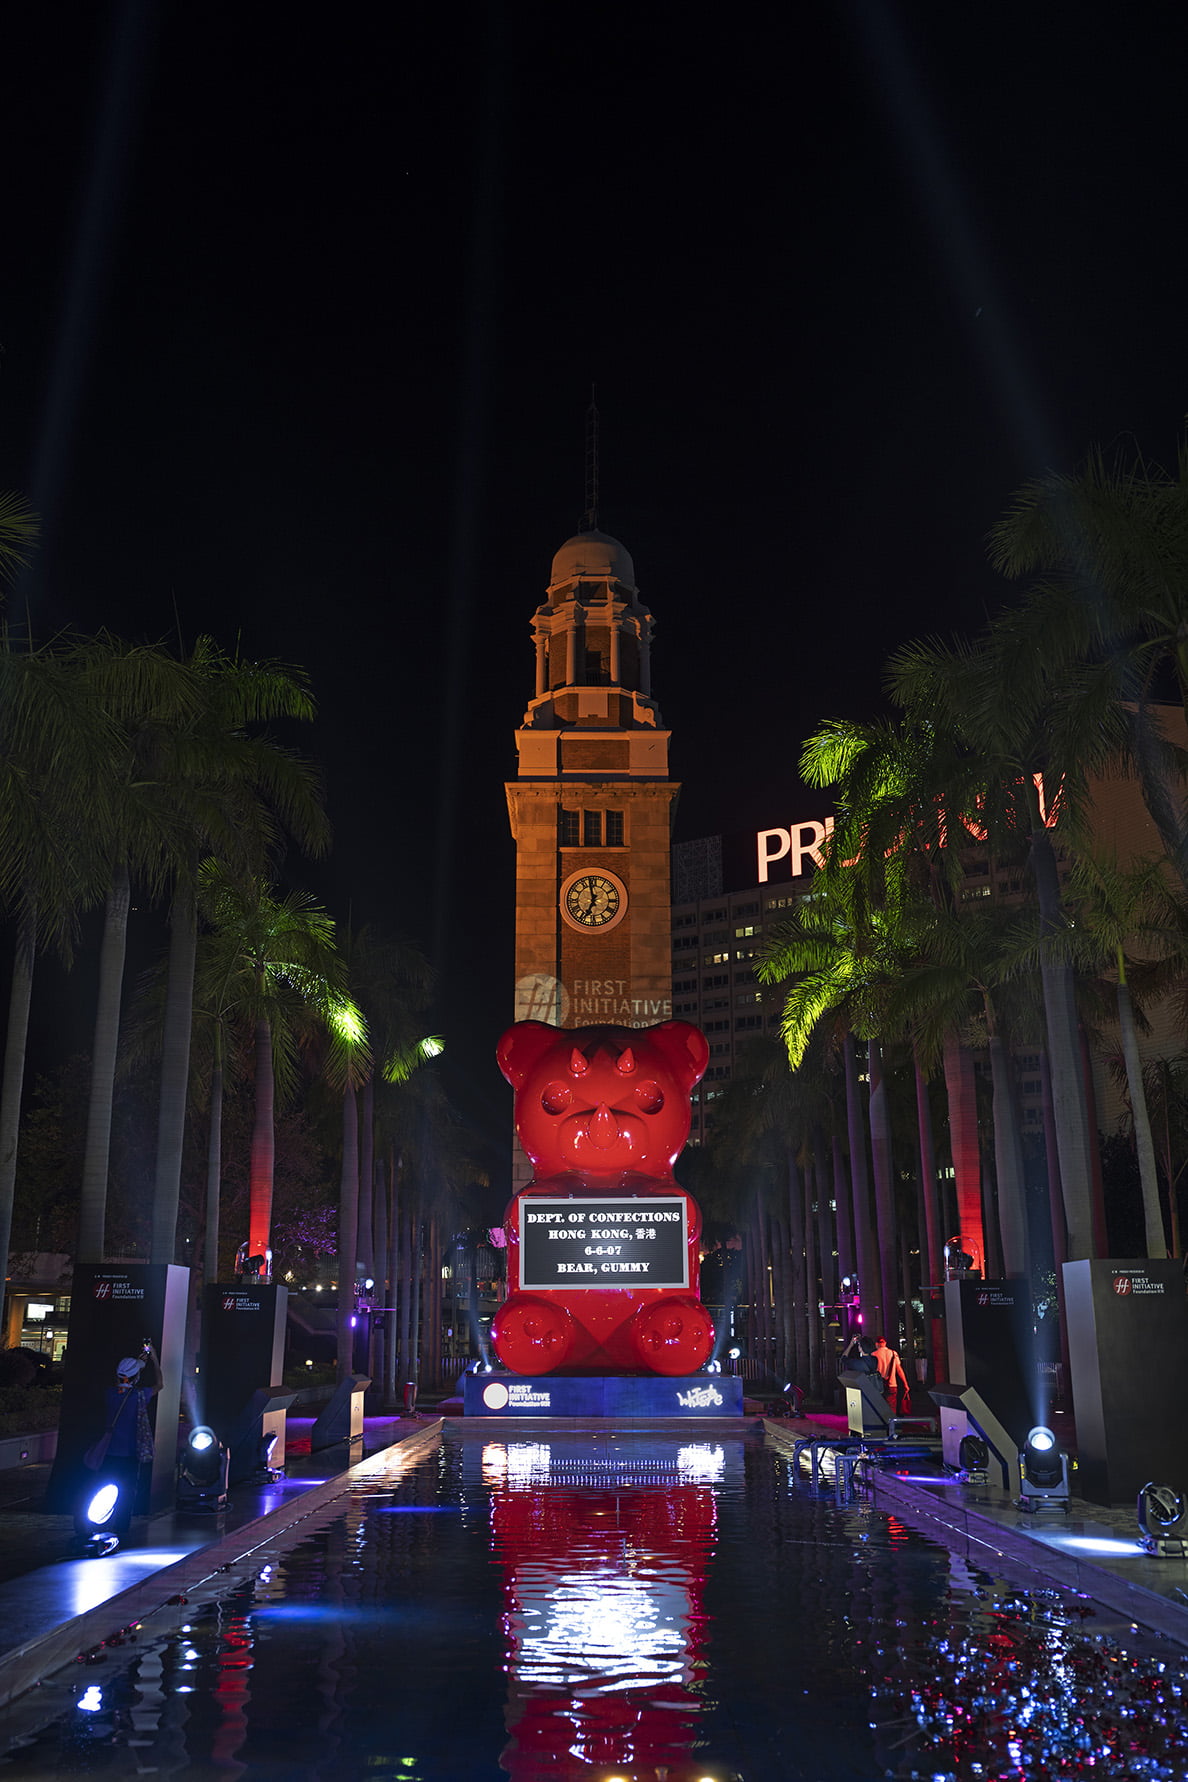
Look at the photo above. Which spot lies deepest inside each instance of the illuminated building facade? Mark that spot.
(730, 891)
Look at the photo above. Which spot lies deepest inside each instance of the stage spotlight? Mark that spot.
(1162, 1516)
(93, 1521)
(1043, 1471)
(973, 1456)
(202, 1472)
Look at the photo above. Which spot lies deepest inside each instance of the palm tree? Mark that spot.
(146, 695)
(1113, 909)
(19, 527)
(54, 747)
(902, 791)
(840, 954)
(1012, 754)
(268, 964)
(1107, 620)
(429, 1187)
(384, 1009)
(235, 793)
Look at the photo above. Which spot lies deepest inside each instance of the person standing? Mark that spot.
(858, 1356)
(895, 1383)
(128, 1432)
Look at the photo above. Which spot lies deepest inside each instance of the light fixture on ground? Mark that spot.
(1043, 1471)
(93, 1521)
(1163, 1519)
(202, 1472)
(973, 1457)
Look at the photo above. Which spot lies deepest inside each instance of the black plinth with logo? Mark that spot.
(990, 1329)
(1128, 1349)
(243, 1348)
(113, 1309)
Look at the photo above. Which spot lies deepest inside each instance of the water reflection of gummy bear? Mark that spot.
(602, 1113)
(604, 1618)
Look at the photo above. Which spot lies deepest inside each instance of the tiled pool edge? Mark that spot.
(982, 1538)
(26, 1665)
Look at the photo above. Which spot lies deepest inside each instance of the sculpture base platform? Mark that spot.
(603, 1395)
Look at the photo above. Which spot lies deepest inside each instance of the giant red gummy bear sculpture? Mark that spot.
(602, 1114)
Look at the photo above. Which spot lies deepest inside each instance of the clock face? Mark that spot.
(593, 900)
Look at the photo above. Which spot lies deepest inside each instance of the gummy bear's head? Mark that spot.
(603, 1099)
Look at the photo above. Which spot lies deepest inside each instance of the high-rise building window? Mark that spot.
(591, 829)
(569, 832)
(614, 829)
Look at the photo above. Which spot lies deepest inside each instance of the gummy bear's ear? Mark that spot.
(684, 1048)
(522, 1045)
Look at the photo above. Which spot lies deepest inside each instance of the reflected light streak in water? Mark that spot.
(604, 1550)
(599, 1630)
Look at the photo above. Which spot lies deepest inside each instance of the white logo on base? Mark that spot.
(495, 1395)
(700, 1396)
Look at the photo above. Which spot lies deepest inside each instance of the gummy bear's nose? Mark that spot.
(604, 1128)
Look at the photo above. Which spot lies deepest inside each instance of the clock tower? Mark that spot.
(592, 806)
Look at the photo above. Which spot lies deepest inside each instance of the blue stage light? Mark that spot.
(101, 1508)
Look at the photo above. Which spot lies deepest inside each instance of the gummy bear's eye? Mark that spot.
(556, 1098)
(650, 1097)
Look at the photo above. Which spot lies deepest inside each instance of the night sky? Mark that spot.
(300, 311)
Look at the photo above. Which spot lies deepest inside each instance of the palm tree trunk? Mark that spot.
(1169, 1169)
(395, 1299)
(864, 1244)
(1008, 1158)
(19, 998)
(214, 1162)
(379, 1268)
(810, 1322)
(884, 1177)
(175, 1074)
(1144, 1144)
(263, 1158)
(1069, 1114)
(825, 1220)
(348, 1231)
(366, 1250)
(1101, 1236)
(96, 1160)
(847, 1260)
(1056, 1199)
(416, 1259)
(961, 1088)
(932, 1257)
(797, 1273)
(993, 1266)
(910, 1342)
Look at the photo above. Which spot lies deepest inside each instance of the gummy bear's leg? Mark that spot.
(673, 1336)
(532, 1336)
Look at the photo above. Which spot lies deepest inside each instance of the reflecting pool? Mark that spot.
(551, 1607)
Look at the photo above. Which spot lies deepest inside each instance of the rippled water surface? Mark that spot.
(670, 1607)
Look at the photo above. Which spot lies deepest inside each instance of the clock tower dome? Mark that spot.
(592, 806)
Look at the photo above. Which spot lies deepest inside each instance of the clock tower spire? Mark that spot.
(592, 807)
